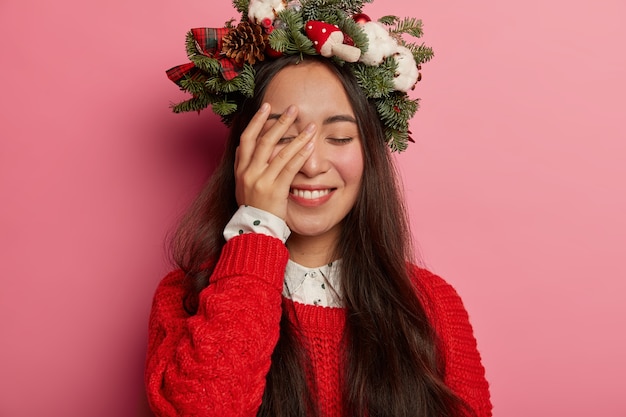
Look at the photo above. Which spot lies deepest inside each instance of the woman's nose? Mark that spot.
(317, 163)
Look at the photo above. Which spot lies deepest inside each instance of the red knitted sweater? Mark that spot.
(215, 362)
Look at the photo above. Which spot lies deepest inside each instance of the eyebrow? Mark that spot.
(329, 120)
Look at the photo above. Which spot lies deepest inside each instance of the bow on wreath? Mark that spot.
(209, 43)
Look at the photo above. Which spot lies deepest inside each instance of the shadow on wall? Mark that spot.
(143, 409)
(194, 142)
(183, 151)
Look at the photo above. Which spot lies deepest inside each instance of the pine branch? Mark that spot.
(396, 140)
(376, 82)
(303, 45)
(224, 108)
(388, 20)
(421, 53)
(410, 26)
(293, 20)
(193, 104)
(354, 30)
(217, 85)
(396, 110)
(242, 83)
(333, 16)
(321, 9)
(209, 65)
(241, 6)
(245, 80)
(193, 86)
(191, 46)
(291, 40)
(279, 40)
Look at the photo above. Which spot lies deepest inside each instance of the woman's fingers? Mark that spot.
(290, 159)
(256, 149)
(263, 173)
(267, 142)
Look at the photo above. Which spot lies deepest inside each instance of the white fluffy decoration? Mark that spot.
(407, 72)
(264, 9)
(381, 44)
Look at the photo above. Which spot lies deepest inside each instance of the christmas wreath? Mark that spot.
(221, 70)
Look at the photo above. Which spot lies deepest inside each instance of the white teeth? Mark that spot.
(308, 194)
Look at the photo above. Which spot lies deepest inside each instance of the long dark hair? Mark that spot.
(393, 367)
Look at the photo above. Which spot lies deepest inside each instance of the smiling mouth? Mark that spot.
(309, 194)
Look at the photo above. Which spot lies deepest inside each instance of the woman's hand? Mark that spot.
(262, 181)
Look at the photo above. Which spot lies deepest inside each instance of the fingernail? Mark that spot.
(310, 128)
(291, 110)
(264, 107)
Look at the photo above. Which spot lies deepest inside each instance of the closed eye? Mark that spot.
(340, 141)
(285, 140)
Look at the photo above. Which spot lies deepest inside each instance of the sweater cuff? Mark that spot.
(252, 254)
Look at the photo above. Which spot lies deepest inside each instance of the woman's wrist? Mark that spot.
(248, 219)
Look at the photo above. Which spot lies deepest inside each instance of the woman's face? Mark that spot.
(326, 187)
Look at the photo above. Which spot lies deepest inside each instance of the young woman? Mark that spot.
(232, 335)
(295, 294)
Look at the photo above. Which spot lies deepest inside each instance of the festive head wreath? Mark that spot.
(222, 68)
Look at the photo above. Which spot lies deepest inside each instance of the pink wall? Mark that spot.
(516, 187)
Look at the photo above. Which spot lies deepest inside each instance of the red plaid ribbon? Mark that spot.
(209, 42)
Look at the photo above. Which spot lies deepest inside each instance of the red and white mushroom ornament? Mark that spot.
(328, 41)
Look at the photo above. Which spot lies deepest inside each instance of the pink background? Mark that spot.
(516, 188)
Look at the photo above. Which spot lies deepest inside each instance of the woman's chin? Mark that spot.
(304, 230)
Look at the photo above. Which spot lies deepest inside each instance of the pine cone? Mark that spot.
(245, 43)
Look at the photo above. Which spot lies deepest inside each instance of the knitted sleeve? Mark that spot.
(215, 362)
(464, 372)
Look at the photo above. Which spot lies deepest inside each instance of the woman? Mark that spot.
(294, 296)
